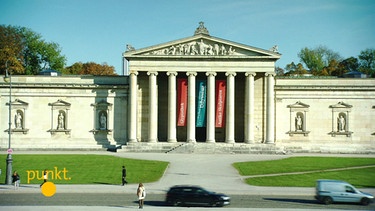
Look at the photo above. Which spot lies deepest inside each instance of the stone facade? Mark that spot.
(81, 112)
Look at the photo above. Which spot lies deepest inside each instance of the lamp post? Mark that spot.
(9, 160)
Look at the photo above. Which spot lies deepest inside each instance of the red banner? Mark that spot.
(182, 93)
(220, 103)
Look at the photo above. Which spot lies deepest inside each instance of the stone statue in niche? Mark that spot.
(299, 122)
(61, 121)
(18, 120)
(103, 121)
(341, 123)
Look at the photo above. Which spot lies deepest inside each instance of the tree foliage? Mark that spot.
(90, 68)
(367, 62)
(322, 61)
(295, 69)
(27, 52)
(318, 58)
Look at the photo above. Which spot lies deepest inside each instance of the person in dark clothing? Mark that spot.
(16, 179)
(124, 176)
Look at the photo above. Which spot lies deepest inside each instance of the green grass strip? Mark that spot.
(361, 178)
(83, 169)
(299, 164)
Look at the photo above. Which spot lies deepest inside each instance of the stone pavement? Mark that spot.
(211, 171)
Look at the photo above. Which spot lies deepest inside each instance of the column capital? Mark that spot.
(270, 74)
(172, 73)
(154, 73)
(191, 73)
(252, 74)
(211, 73)
(133, 73)
(230, 74)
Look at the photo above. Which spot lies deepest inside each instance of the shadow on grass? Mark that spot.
(103, 183)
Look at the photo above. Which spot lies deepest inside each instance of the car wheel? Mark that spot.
(327, 200)
(365, 201)
(177, 202)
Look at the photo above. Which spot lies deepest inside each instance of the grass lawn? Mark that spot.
(83, 169)
(363, 177)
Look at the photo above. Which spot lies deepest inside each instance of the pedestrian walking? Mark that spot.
(141, 193)
(45, 177)
(124, 176)
(16, 179)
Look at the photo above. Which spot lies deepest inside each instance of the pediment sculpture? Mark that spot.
(196, 47)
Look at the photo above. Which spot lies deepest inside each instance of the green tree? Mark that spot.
(34, 54)
(90, 68)
(367, 62)
(318, 58)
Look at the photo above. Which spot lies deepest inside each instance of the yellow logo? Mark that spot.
(54, 174)
(48, 189)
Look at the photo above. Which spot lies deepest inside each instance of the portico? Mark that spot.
(201, 89)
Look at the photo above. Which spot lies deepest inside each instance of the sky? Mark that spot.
(98, 30)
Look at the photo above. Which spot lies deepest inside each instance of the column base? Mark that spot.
(269, 142)
(153, 140)
(132, 140)
(210, 141)
(191, 141)
(249, 141)
(230, 141)
(172, 140)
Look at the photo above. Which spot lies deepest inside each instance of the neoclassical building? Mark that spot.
(198, 94)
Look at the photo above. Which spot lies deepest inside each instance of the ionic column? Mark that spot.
(172, 113)
(249, 107)
(153, 107)
(133, 107)
(191, 107)
(210, 127)
(229, 134)
(270, 133)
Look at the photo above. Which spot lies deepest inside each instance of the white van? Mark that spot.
(328, 191)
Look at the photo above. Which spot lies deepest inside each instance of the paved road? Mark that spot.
(158, 201)
(212, 171)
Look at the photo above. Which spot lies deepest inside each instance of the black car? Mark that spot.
(194, 195)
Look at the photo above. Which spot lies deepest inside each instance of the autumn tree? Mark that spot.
(10, 50)
(90, 68)
(295, 69)
(29, 53)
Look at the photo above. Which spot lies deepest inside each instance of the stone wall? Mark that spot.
(40, 99)
(323, 101)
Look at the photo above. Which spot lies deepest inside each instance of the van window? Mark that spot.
(349, 189)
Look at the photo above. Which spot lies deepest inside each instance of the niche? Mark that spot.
(298, 119)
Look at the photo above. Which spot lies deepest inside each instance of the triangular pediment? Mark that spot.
(341, 105)
(59, 103)
(298, 104)
(18, 102)
(201, 46)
